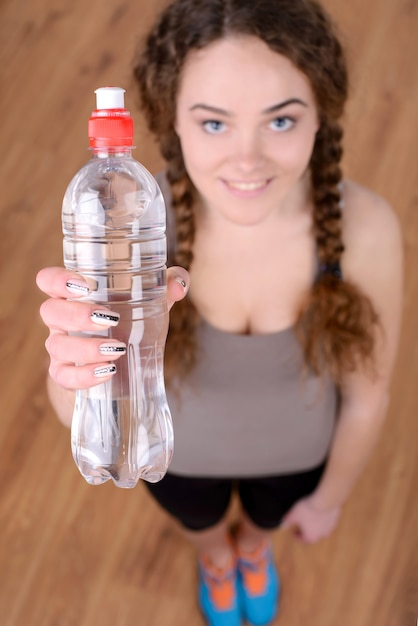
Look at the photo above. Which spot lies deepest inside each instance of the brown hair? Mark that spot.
(337, 323)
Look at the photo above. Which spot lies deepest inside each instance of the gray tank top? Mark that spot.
(249, 408)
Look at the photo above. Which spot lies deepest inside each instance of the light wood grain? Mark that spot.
(74, 555)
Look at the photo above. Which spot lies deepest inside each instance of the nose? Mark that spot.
(248, 151)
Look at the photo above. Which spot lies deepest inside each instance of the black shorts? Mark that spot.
(199, 503)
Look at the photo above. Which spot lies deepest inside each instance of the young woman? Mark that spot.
(279, 355)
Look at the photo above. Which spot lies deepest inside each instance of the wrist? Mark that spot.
(322, 503)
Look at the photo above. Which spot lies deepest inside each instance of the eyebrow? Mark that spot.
(269, 110)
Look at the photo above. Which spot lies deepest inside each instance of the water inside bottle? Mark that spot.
(114, 235)
(122, 428)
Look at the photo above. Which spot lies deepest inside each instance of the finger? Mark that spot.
(81, 377)
(292, 528)
(58, 282)
(295, 530)
(67, 349)
(178, 282)
(287, 522)
(71, 316)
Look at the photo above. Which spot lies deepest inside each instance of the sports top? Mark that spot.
(250, 407)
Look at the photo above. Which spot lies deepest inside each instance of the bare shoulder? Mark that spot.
(371, 235)
(373, 261)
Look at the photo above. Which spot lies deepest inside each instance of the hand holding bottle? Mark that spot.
(62, 314)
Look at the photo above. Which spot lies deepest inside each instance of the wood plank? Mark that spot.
(75, 555)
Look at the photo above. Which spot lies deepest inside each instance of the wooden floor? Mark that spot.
(74, 555)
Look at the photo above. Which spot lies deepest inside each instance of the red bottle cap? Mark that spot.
(110, 125)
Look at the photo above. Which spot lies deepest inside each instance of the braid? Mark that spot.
(326, 177)
(184, 317)
(337, 324)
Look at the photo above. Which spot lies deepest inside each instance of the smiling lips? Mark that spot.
(247, 186)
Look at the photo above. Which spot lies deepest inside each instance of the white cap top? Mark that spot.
(110, 98)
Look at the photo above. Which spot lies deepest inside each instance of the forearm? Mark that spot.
(355, 437)
(62, 401)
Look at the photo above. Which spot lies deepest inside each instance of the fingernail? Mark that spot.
(78, 287)
(181, 282)
(105, 370)
(113, 348)
(105, 318)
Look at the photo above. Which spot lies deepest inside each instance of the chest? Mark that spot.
(253, 284)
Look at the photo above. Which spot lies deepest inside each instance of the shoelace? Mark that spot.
(253, 569)
(220, 583)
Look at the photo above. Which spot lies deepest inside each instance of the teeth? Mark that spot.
(247, 186)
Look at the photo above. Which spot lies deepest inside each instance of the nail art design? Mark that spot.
(105, 318)
(105, 370)
(77, 288)
(181, 282)
(112, 348)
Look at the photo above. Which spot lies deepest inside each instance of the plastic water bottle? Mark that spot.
(114, 235)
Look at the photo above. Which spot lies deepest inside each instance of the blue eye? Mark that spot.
(282, 123)
(213, 126)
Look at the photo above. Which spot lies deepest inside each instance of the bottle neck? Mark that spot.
(105, 152)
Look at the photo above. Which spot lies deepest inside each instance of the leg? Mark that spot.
(218, 593)
(213, 543)
(250, 536)
(200, 505)
(265, 501)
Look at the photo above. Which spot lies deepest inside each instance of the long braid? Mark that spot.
(184, 317)
(337, 324)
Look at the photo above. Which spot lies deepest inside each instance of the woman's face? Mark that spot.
(246, 118)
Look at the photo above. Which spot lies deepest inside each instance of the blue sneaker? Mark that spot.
(218, 596)
(258, 586)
